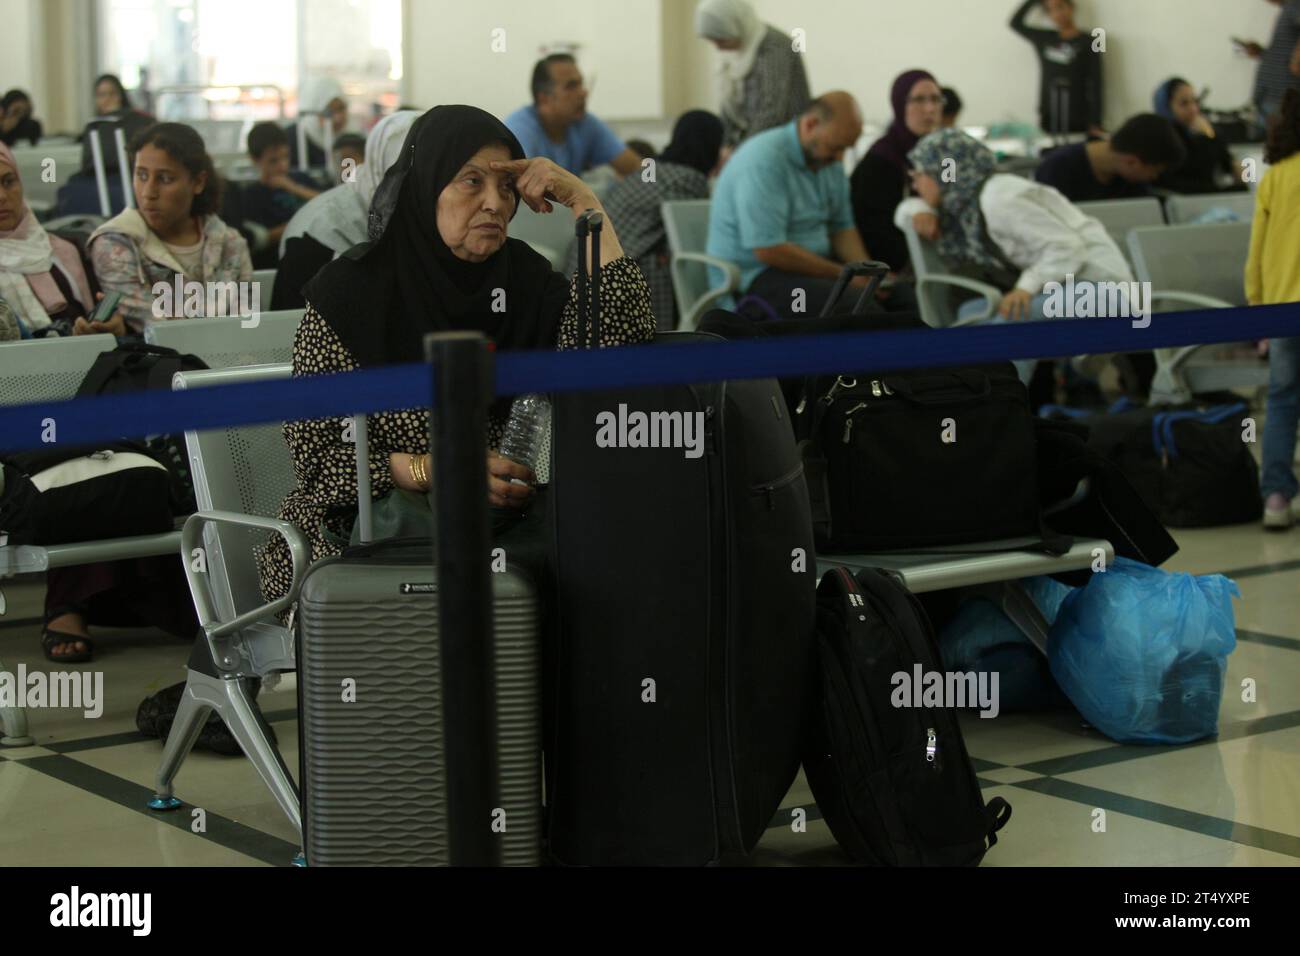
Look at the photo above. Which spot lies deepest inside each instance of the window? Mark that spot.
(238, 59)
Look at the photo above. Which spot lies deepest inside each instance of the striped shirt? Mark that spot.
(1275, 77)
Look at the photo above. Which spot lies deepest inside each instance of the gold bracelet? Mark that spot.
(419, 472)
(410, 470)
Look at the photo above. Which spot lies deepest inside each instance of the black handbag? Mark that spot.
(930, 458)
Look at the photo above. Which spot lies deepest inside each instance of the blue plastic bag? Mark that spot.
(981, 638)
(1142, 652)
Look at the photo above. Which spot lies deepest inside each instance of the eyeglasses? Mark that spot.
(925, 100)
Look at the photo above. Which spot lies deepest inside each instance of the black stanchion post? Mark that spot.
(462, 391)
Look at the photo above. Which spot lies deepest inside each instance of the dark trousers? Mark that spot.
(783, 291)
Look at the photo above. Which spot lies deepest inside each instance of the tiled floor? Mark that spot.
(78, 796)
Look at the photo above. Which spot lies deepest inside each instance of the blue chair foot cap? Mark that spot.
(164, 803)
(300, 859)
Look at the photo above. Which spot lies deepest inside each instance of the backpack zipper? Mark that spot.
(931, 746)
(848, 419)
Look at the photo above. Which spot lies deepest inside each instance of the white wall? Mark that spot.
(861, 45)
(20, 50)
(450, 58)
(647, 62)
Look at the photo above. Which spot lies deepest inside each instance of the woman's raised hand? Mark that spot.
(540, 183)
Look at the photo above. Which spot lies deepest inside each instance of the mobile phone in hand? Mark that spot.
(107, 306)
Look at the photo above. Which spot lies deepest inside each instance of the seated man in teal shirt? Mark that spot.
(781, 210)
(558, 126)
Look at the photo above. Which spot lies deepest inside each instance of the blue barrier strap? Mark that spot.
(89, 420)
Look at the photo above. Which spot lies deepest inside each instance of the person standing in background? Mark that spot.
(1273, 276)
(1070, 99)
(761, 77)
(1279, 62)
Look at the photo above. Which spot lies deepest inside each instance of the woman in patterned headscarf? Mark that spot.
(1014, 233)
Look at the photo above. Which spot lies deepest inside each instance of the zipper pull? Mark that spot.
(931, 745)
(876, 390)
(803, 403)
(848, 420)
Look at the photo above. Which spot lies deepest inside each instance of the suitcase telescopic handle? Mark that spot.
(589, 223)
(876, 270)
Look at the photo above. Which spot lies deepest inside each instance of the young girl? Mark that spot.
(173, 231)
(1272, 276)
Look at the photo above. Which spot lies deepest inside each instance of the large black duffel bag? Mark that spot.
(927, 458)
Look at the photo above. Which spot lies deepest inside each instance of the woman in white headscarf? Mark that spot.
(321, 97)
(336, 220)
(761, 78)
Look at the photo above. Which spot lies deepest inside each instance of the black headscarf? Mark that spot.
(697, 138)
(383, 296)
(121, 90)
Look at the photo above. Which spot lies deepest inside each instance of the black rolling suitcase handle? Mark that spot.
(589, 223)
(877, 271)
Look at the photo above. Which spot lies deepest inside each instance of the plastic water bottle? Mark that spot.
(522, 441)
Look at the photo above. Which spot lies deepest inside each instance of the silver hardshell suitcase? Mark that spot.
(372, 775)
(373, 784)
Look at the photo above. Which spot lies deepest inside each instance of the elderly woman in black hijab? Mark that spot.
(681, 171)
(439, 259)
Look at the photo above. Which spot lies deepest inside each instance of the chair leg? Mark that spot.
(186, 726)
(242, 716)
(233, 702)
(14, 721)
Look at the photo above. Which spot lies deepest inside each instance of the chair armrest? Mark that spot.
(729, 269)
(1175, 360)
(992, 294)
(1194, 299)
(200, 590)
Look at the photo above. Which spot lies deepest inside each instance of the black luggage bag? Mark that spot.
(893, 781)
(926, 458)
(1189, 463)
(682, 660)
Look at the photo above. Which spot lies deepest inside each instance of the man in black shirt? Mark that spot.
(1070, 99)
(1118, 168)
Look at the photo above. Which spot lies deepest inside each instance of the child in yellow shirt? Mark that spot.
(1273, 276)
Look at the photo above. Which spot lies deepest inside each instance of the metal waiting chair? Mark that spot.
(686, 223)
(242, 474)
(1119, 217)
(51, 370)
(1195, 267)
(231, 340)
(1185, 210)
(935, 286)
(551, 234)
(265, 279)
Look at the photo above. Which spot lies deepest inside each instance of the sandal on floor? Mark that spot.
(49, 639)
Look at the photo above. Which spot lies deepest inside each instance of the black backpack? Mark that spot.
(894, 784)
(134, 366)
